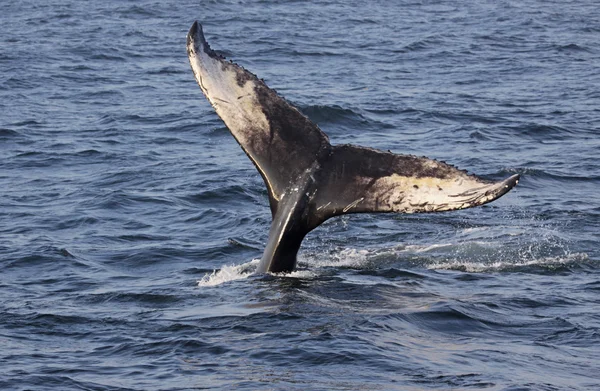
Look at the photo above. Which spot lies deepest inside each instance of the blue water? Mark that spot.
(131, 221)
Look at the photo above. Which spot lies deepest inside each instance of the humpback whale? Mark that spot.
(310, 180)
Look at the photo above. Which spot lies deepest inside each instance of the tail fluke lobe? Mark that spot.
(360, 180)
(280, 141)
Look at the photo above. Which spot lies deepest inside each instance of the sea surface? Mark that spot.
(131, 222)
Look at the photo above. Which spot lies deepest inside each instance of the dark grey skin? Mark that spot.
(308, 179)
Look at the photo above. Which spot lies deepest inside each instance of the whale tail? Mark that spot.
(308, 179)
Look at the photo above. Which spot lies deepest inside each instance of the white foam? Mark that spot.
(480, 267)
(414, 248)
(348, 257)
(300, 274)
(229, 273)
(239, 272)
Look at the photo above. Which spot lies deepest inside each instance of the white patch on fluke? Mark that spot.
(428, 194)
(236, 105)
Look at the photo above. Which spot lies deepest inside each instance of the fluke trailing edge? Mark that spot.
(308, 179)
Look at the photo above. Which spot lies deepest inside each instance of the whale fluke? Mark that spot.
(308, 179)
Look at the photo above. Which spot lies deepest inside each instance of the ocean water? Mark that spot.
(131, 221)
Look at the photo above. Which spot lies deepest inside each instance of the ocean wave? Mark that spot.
(7, 134)
(236, 194)
(333, 114)
(50, 256)
(422, 44)
(151, 299)
(545, 132)
(572, 47)
(537, 173)
(168, 70)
